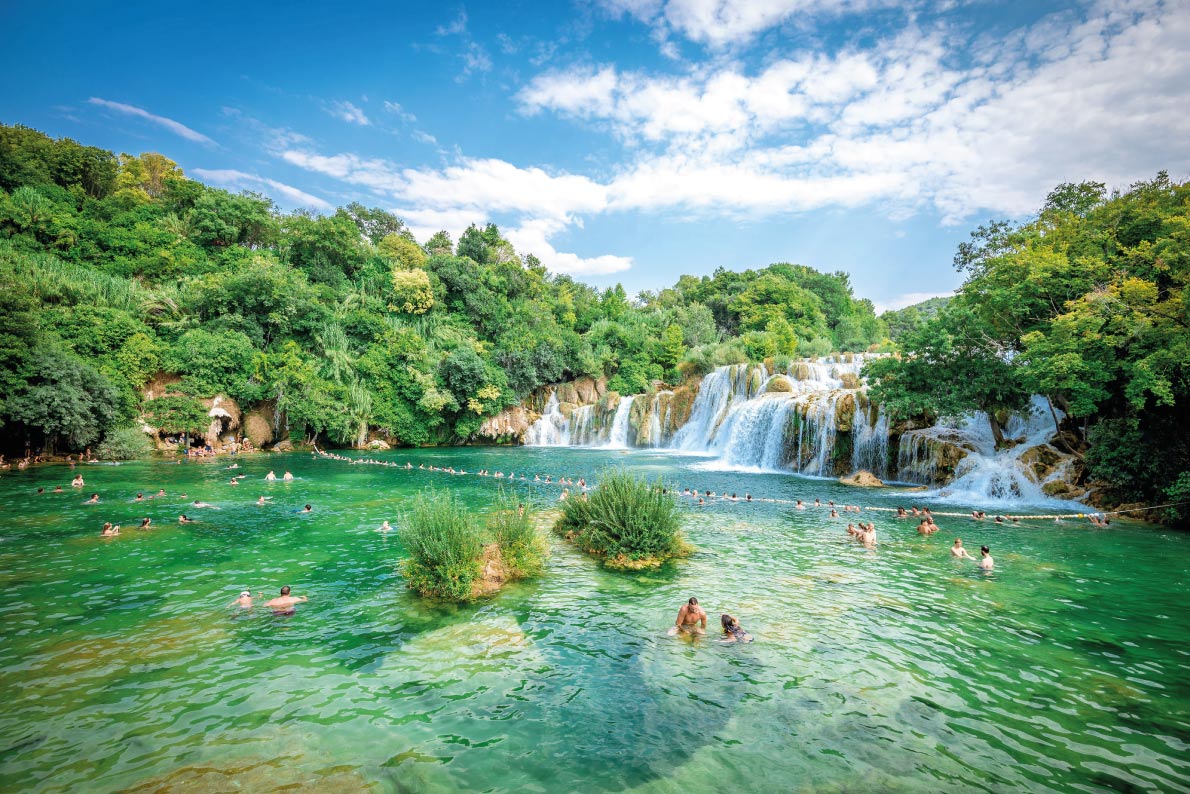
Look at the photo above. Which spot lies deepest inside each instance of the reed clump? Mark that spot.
(445, 545)
(523, 550)
(627, 522)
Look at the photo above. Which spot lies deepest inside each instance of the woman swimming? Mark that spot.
(732, 631)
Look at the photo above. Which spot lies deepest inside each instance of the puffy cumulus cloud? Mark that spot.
(720, 23)
(229, 177)
(924, 116)
(176, 127)
(533, 236)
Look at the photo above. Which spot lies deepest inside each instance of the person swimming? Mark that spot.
(285, 604)
(287, 476)
(110, 530)
(385, 527)
(985, 558)
(245, 600)
(94, 500)
(271, 476)
(732, 631)
(958, 552)
(185, 519)
(198, 504)
(145, 523)
(306, 509)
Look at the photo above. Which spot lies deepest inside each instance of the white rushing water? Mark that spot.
(617, 437)
(985, 473)
(552, 429)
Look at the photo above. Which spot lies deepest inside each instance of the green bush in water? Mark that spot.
(444, 545)
(627, 522)
(127, 443)
(522, 550)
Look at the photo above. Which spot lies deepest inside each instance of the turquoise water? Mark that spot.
(895, 669)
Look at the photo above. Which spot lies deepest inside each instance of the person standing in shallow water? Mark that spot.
(985, 558)
(691, 619)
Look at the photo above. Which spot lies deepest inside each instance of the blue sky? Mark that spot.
(634, 140)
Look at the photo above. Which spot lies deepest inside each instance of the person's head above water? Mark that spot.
(984, 550)
(693, 601)
(285, 590)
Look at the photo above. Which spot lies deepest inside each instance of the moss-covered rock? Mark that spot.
(845, 413)
(779, 383)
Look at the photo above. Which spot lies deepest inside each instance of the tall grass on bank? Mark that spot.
(626, 522)
(444, 544)
(522, 550)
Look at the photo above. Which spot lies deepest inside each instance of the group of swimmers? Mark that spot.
(282, 606)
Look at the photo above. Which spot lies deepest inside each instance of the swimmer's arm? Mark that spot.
(681, 614)
(704, 621)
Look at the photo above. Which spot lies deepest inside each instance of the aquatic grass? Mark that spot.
(627, 522)
(444, 544)
(523, 550)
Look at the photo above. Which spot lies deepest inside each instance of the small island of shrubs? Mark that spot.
(626, 522)
(454, 558)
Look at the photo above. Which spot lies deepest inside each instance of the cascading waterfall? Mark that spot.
(617, 437)
(552, 429)
(869, 442)
(748, 418)
(657, 422)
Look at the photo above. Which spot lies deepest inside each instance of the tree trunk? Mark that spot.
(997, 431)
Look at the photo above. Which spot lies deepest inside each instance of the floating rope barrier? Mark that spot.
(748, 499)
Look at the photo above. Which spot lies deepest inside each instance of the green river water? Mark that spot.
(122, 666)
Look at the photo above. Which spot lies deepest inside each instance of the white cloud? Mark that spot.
(473, 190)
(923, 116)
(399, 111)
(229, 177)
(346, 111)
(720, 23)
(175, 127)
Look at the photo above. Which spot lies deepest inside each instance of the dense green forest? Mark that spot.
(1085, 305)
(117, 268)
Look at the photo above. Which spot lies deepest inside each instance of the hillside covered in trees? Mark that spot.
(117, 270)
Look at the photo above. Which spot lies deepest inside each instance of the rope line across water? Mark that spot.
(766, 500)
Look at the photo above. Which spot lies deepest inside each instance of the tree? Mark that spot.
(402, 252)
(146, 176)
(64, 399)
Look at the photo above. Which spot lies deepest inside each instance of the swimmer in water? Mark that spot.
(306, 509)
(58, 489)
(110, 530)
(800, 505)
(385, 527)
(94, 500)
(270, 476)
(958, 552)
(985, 558)
(262, 500)
(732, 631)
(184, 519)
(198, 504)
(245, 600)
(691, 619)
(158, 495)
(287, 476)
(140, 497)
(144, 523)
(77, 482)
(284, 604)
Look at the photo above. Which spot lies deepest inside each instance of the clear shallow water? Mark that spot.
(121, 667)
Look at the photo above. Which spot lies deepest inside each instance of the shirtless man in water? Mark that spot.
(691, 619)
(284, 604)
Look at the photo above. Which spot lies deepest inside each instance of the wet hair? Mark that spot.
(985, 549)
(728, 622)
(285, 590)
(693, 601)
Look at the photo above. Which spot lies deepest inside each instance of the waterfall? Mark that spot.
(658, 423)
(719, 392)
(617, 438)
(816, 434)
(580, 426)
(869, 443)
(985, 473)
(754, 435)
(552, 429)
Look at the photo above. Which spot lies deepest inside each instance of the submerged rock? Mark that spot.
(863, 479)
